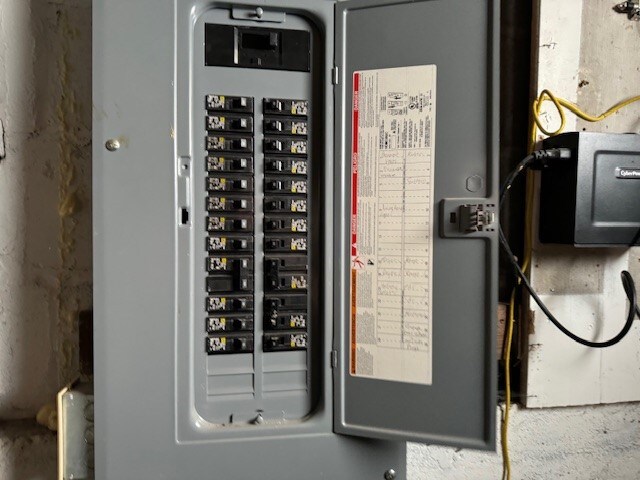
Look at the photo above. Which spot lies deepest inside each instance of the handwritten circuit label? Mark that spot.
(392, 176)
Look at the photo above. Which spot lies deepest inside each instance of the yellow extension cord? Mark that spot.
(536, 124)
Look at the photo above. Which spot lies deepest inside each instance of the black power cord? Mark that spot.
(539, 159)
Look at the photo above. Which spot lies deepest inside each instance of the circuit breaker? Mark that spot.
(283, 288)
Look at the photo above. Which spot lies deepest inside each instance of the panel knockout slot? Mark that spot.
(476, 218)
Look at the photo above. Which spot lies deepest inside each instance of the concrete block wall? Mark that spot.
(45, 213)
(27, 452)
(575, 443)
(45, 272)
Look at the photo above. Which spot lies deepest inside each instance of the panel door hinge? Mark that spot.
(334, 358)
(335, 75)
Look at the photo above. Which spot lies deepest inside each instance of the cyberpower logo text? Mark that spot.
(624, 172)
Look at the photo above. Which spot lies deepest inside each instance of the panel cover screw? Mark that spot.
(390, 474)
(259, 12)
(112, 145)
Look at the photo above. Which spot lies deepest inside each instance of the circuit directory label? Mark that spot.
(393, 143)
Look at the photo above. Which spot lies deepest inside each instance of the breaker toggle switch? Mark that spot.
(229, 283)
(286, 107)
(215, 224)
(273, 126)
(273, 145)
(222, 184)
(229, 274)
(227, 243)
(286, 264)
(274, 342)
(285, 186)
(285, 145)
(228, 303)
(241, 102)
(285, 127)
(226, 264)
(275, 306)
(233, 144)
(275, 106)
(296, 281)
(217, 203)
(285, 204)
(229, 123)
(228, 163)
(218, 103)
(229, 344)
(228, 324)
(286, 165)
(287, 224)
(286, 321)
(286, 244)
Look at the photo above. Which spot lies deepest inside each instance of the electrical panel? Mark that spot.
(276, 271)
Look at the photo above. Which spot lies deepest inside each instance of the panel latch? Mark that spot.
(476, 217)
(468, 217)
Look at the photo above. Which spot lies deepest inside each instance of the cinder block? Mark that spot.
(45, 197)
(28, 367)
(27, 452)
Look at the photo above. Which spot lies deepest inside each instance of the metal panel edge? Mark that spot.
(342, 169)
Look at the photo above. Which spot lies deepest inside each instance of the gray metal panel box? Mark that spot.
(458, 408)
(168, 407)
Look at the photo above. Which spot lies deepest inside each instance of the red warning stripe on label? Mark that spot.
(354, 165)
(354, 214)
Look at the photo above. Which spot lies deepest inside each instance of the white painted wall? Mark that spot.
(45, 212)
(45, 106)
(587, 54)
(45, 198)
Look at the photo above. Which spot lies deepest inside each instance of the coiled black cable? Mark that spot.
(539, 158)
